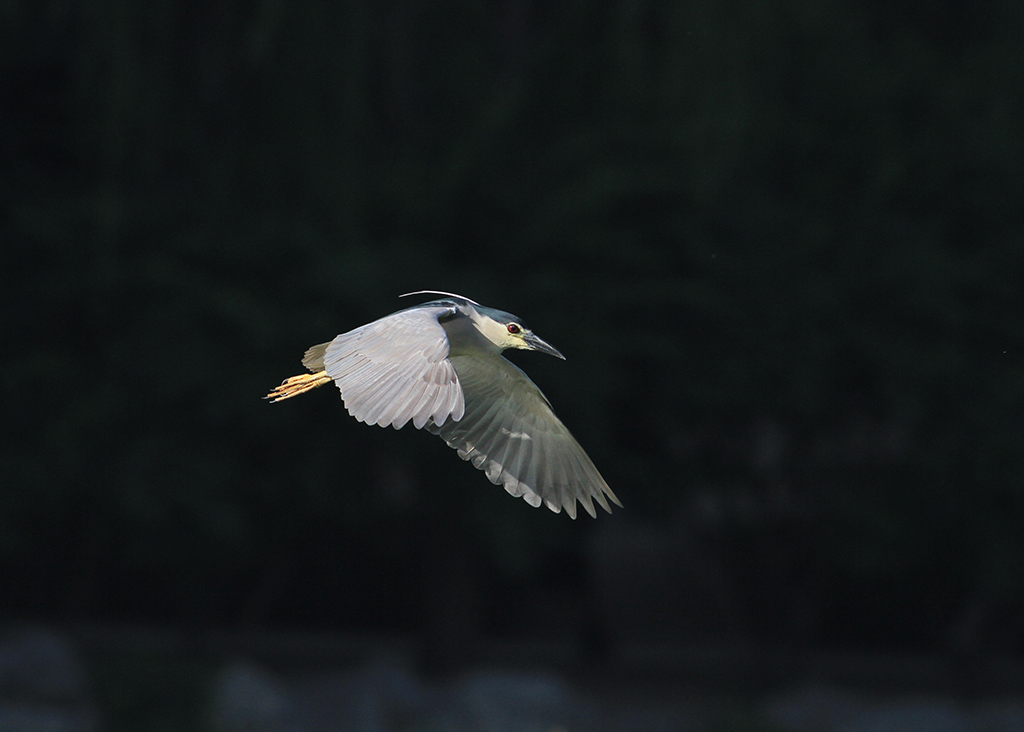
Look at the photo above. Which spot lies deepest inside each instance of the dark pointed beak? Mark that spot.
(537, 343)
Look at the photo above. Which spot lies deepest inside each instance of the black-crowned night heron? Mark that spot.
(439, 365)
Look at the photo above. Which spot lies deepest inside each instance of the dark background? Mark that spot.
(779, 243)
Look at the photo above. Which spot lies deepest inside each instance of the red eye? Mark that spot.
(513, 328)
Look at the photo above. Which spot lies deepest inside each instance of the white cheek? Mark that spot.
(497, 334)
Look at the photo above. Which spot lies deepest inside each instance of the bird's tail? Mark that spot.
(298, 385)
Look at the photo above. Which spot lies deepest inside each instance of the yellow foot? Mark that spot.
(298, 385)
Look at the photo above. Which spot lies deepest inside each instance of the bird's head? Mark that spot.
(505, 330)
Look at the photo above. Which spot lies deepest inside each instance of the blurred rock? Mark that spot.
(913, 715)
(1000, 716)
(816, 708)
(387, 696)
(812, 708)
(248, 699)
(42, 684)
(38, 664)
(511, 702)
(384, 695)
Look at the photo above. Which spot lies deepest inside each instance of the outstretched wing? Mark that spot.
(395, 369)
(510, 432)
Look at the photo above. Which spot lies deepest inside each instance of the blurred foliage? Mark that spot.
(779, 242)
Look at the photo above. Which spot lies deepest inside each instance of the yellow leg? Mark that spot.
(298, 385)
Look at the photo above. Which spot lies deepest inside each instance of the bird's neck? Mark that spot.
(467, 335)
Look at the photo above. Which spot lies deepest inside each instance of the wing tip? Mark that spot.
(606, 491)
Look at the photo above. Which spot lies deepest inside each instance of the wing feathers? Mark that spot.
(395, 369)
(509, 431)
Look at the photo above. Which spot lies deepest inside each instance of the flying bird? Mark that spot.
(439, 366)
